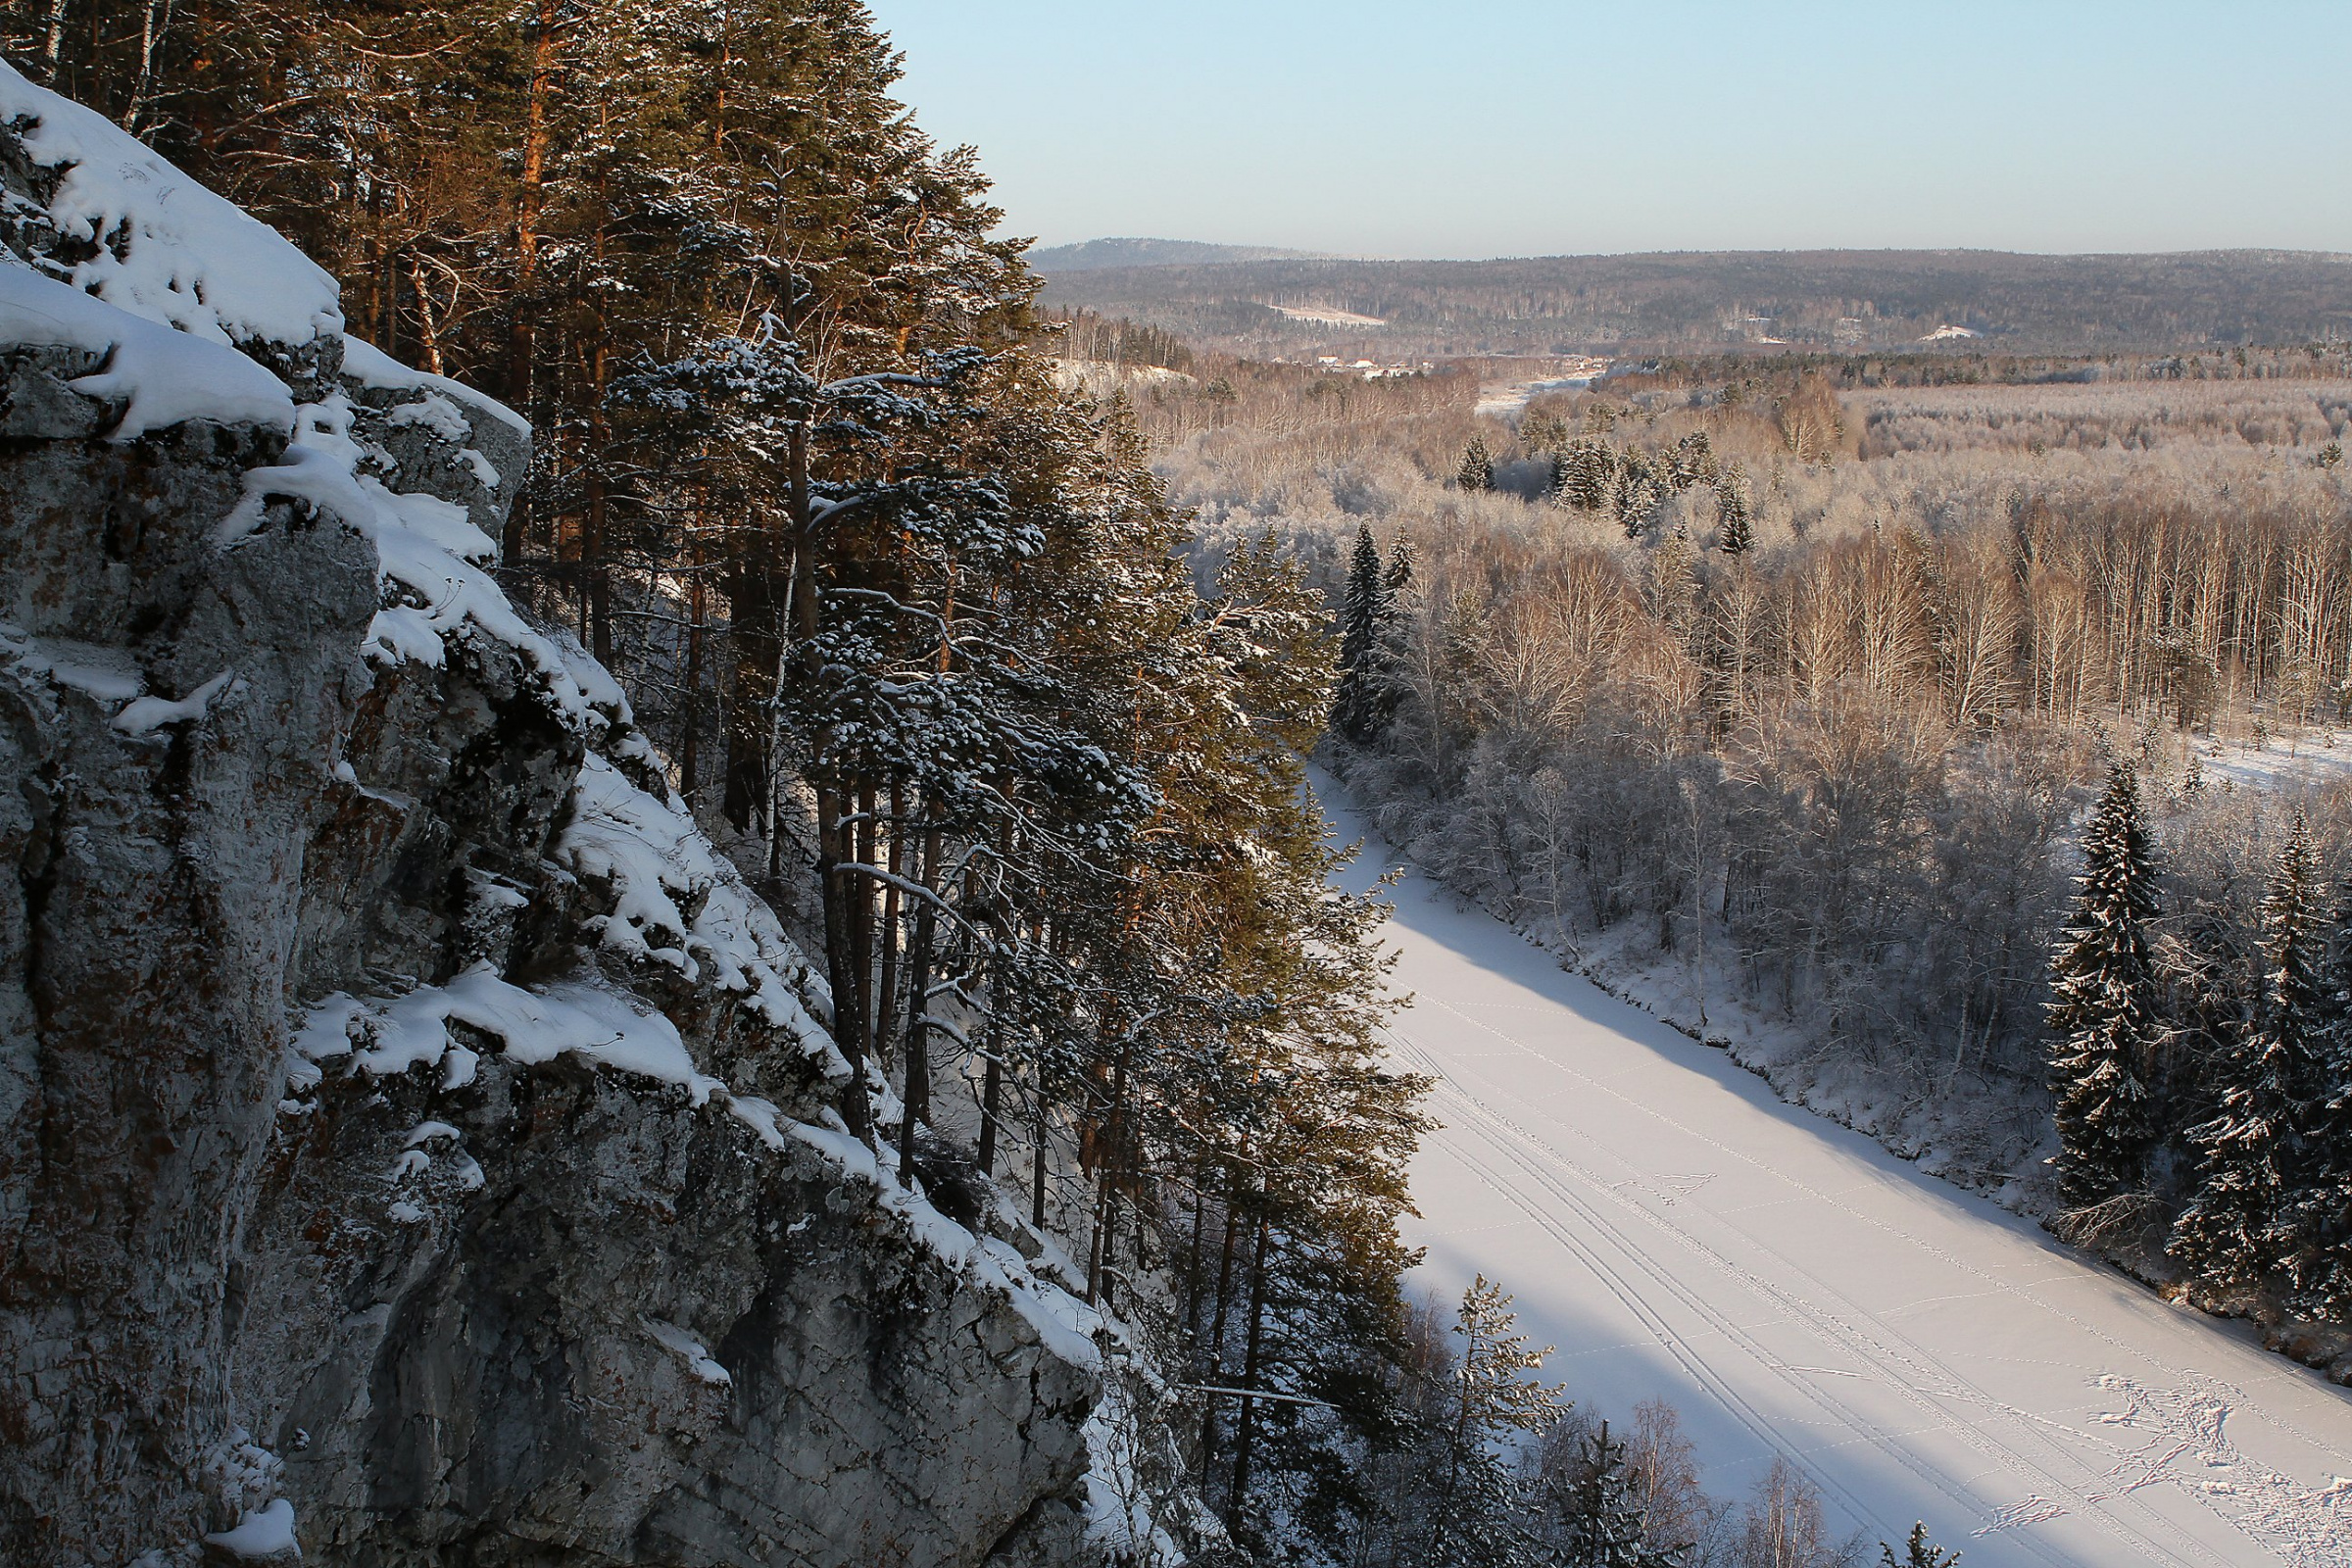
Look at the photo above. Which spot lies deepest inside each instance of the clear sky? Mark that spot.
(1511, 127)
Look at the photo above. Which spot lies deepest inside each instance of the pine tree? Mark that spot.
(1477, 471)
(1918, 1552)
(1363, 619)
(1601, 1521)
(2239, 1233)
(780, 374)
(2104, 1012)
(1735, 531)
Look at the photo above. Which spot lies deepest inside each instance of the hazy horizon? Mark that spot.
(1520, 128)
(1307, 254)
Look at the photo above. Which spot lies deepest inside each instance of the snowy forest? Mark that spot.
(1674, 301)
(1962, 741)
(1783, 695)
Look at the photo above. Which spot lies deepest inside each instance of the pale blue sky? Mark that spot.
(1487, 127)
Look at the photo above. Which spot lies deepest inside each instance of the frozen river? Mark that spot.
(1794, 1290)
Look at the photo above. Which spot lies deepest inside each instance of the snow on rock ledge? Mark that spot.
(162, 376)
(119, 223)
(659, 866)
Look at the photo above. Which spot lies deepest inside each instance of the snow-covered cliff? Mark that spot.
(414, 1141)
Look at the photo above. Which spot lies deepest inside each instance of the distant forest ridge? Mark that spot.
(1684, 301)
(1095, 254)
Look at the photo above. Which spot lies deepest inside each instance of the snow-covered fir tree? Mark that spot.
(1588, 475)
(1734, 528)
(1599, 1515)
(1918, 1552)
(1692, 462)
(2321, 1264)
(1363, 619)
(1477, 469)
(1474, 1510)
(2104, 1014)
(1639, 490)
(1672, 588)
(2240, 1232)
(1446, 1491)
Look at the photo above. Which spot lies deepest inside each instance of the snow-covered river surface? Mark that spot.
(1678, 1232)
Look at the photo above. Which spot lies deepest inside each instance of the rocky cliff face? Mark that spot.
(414, 1142)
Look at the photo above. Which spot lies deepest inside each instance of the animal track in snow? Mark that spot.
(2188, 1446)
(1684, 1186)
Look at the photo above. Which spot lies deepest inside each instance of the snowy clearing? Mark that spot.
(1501, 399)
(1328, 316)
(2297, 760)
(1097, 379)
(1793, 1289)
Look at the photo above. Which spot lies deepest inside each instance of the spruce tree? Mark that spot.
(1363, 618)
(1692, 461)
(1544, 433)
(1918, 1552)
(2104, 1012)
(1673, 587)
(1477, 472)
(1381, 687)
(1734, 532)
(1636, 495)
(1400, 574)
(1601, 1523)
(2321, 1264)
(1590, 477)
(1497, 1397)
(2240, 1232)
(1473, 1496)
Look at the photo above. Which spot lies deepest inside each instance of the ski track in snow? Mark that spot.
(1794, 1290)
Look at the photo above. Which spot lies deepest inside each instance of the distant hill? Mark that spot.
(1096, 254)
(1688, 302)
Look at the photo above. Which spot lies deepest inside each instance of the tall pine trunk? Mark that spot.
(1215, 1366)
(886, 999)
(992, 1088)
(918, 1088)
(523, 328)
(751, 769)
(861, 917)
(1245, 1421)
(1037, 1166)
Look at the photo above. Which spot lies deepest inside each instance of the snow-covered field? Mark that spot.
(2298, 759)
(1501, 399)
(1100, 381)
(1328, 316)
(1795, 1290)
